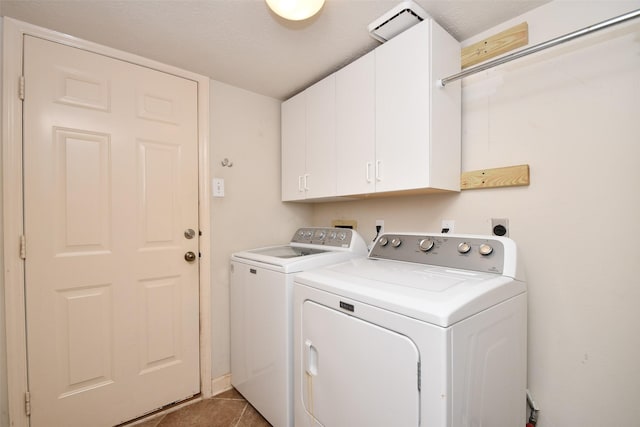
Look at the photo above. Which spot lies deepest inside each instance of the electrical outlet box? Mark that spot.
(500, 227)
(448, 226)
(345, 223)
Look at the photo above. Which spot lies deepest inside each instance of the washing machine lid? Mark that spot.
(281, 256)
(292, 259)
(310, 247)
(438, 295)
(285, 252)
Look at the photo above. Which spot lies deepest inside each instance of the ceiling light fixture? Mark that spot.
(295, 10)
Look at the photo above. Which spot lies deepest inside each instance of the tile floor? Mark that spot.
(228, 409)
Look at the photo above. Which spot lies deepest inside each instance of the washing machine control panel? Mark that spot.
(468, 252)
(334, 237)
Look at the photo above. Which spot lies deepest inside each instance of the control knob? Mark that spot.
(425, 245)
(342, 235)
(464, 248)
(395, 242)
(383, 241)
(485, 249)
(320, 234)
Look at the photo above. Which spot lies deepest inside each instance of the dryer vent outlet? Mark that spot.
(500, 227)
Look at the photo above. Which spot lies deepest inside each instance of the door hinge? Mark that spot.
(23, 247)
(27, 403)
(21, 88)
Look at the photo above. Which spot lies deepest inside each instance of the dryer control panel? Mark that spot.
(467, 252)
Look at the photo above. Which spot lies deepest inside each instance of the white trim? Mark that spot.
(164, 412)
(205, 238)
(221, 384)
(13, 33)
(16, 345)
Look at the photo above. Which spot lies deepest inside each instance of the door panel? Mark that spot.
(85, 338)
(160, 321)
(159, 191)
(110, 185)
(356, 373)
(82, 178)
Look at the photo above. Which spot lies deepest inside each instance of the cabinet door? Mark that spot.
(293, 147)
(320, 176)
(403, 84)
(355, 127)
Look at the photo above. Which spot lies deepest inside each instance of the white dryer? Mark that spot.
(261, 313)
(428, 330)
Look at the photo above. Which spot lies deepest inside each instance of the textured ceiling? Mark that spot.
(241, 42)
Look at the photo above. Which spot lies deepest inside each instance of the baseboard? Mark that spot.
(220, 384)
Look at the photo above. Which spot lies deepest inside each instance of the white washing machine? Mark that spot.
(428, 330)
(261, 313)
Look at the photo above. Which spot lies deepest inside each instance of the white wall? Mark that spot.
(4, 404)
(573, 115)
(245, 128)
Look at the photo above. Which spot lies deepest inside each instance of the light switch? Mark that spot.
(218, 187)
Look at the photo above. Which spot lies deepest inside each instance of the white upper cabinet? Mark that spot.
(293, 147)
(355, 126)
(320, 178)
(380, 125)
(417, 124)
(308, 143)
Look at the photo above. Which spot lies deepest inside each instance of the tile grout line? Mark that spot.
(241, 414)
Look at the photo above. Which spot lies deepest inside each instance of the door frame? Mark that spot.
(13, 214)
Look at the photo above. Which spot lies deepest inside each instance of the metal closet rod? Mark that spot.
(542, 46)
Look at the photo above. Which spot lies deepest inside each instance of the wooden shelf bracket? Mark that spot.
(510, 176)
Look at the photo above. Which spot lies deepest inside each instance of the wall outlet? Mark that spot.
(448, 226)
(500, 227)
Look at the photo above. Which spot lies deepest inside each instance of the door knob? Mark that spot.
(190, 256)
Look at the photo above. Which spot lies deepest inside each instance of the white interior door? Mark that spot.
(110, 185)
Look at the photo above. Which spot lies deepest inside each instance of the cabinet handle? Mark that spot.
(369, 171)
(378, 163)
(306, 182)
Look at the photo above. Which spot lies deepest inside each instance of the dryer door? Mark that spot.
(356, 373)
